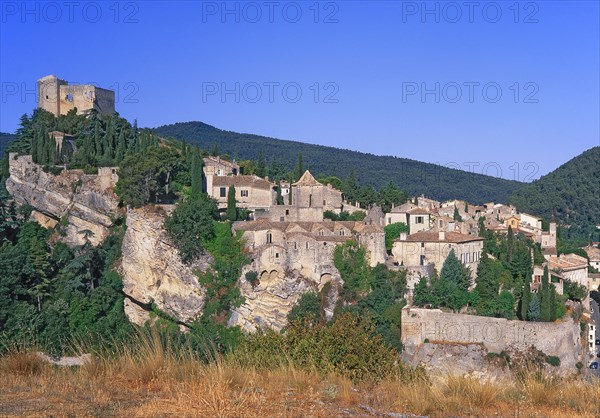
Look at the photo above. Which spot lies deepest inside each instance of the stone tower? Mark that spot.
(48, 89)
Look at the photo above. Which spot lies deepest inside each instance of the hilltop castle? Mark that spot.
(58, 97)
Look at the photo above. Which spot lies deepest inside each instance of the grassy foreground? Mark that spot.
(151, 379)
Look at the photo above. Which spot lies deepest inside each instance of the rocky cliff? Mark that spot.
(85, 202)
(152, 270)
(269, 301)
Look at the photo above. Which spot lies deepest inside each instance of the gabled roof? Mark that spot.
(307, 179)
(242, 181)
(429, 236)
(418, 211)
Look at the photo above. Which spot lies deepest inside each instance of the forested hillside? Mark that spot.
(570, 194)
(412, 176)
(5, 140)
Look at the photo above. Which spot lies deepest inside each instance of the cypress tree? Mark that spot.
(231, 204)
(34, 148)
(52, 150)
(133, 140)
(215, 151)
(290, 193)
(196, 174)
(299, 167)
(457, 216)
(545, 296)
(42, 147)
(121, 147)
(279, 197)
(108, 143)
(97, 140)
(526, 300)
(260, 165)
(533, 310)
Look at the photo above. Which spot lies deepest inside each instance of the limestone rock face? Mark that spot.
(86, 201)
(153, 272)
(268, 303)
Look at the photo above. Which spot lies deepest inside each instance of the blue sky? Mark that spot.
(508, 88)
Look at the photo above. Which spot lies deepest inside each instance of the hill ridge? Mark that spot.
(413, 176)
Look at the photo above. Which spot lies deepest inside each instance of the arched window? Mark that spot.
(269, 237)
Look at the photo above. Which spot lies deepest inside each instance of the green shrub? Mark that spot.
(252, 278)
(553, 361)
(308, 309)
(348, 346)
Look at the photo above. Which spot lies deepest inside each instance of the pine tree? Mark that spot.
(299, 170)
(231, 204)
(488, 286)
(452, 286)
(533, 310)
(421, 293)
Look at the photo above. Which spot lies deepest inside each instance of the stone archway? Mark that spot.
(325, 278)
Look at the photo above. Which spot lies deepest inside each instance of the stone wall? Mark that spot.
(561, 339)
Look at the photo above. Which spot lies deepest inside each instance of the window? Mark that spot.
(69, 97)
(281, 218)
(324, 203)
(244, 193)
(269, 238)
(309, 200)
(419, 220)
(389, 221)
(276, 255)
(223, 192)
(287, 211)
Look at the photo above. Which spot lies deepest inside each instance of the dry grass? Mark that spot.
(151, 379)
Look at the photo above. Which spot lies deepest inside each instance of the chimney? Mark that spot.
(442, 236)
(403, 236)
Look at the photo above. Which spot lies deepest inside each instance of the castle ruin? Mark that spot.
(59, 97)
